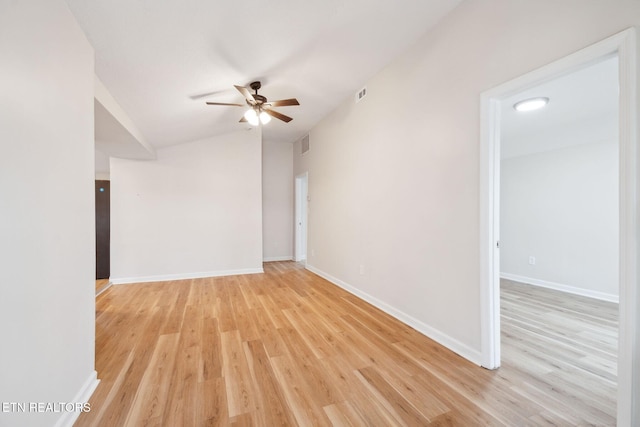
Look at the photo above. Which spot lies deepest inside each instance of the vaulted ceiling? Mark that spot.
(162, 60)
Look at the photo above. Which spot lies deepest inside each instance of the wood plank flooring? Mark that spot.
(288, 348)
(101, 285)
(568, 344)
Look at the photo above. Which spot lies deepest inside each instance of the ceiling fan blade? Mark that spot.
(284, 102)
(245, 92)
(277, 115)
(205, 95)
(224, 103)
(242, 120)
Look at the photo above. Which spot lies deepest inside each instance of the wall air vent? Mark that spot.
(304, 144)
(361, 94)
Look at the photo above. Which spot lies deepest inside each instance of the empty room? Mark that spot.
(559, 233)
(299, 213)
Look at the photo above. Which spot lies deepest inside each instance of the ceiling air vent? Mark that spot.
(361, 94)
(305, 144)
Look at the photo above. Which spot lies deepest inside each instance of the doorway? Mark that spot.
(301, 189)
(622, 45)
(559, 233)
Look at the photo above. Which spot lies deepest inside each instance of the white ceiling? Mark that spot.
(583, 108)
(158, 58)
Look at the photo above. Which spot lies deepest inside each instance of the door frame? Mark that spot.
(301, 216)
(624, 45)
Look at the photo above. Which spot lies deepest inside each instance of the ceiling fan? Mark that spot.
(260, 108)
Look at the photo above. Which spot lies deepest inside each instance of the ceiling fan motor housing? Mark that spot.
(259, 99)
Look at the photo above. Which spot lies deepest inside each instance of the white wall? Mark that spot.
(561, 207)
(101, 165)
(47, 235)
(394, 179)
(196, 211)
(277, 201)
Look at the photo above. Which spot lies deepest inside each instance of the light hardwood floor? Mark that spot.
(288, 348)
(567, 344)
(101, 285)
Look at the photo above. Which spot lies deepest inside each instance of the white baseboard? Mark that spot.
(84, 394)
(452, 344)
(183, 276)
(560, 287)
(278, 258)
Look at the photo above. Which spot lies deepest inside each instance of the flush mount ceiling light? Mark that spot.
(531, 104)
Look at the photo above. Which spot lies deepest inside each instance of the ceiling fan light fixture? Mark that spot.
(265, 118)
(252, 117)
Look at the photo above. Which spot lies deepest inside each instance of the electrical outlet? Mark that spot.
(361, 269)
(313, 252)
(532, 260)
